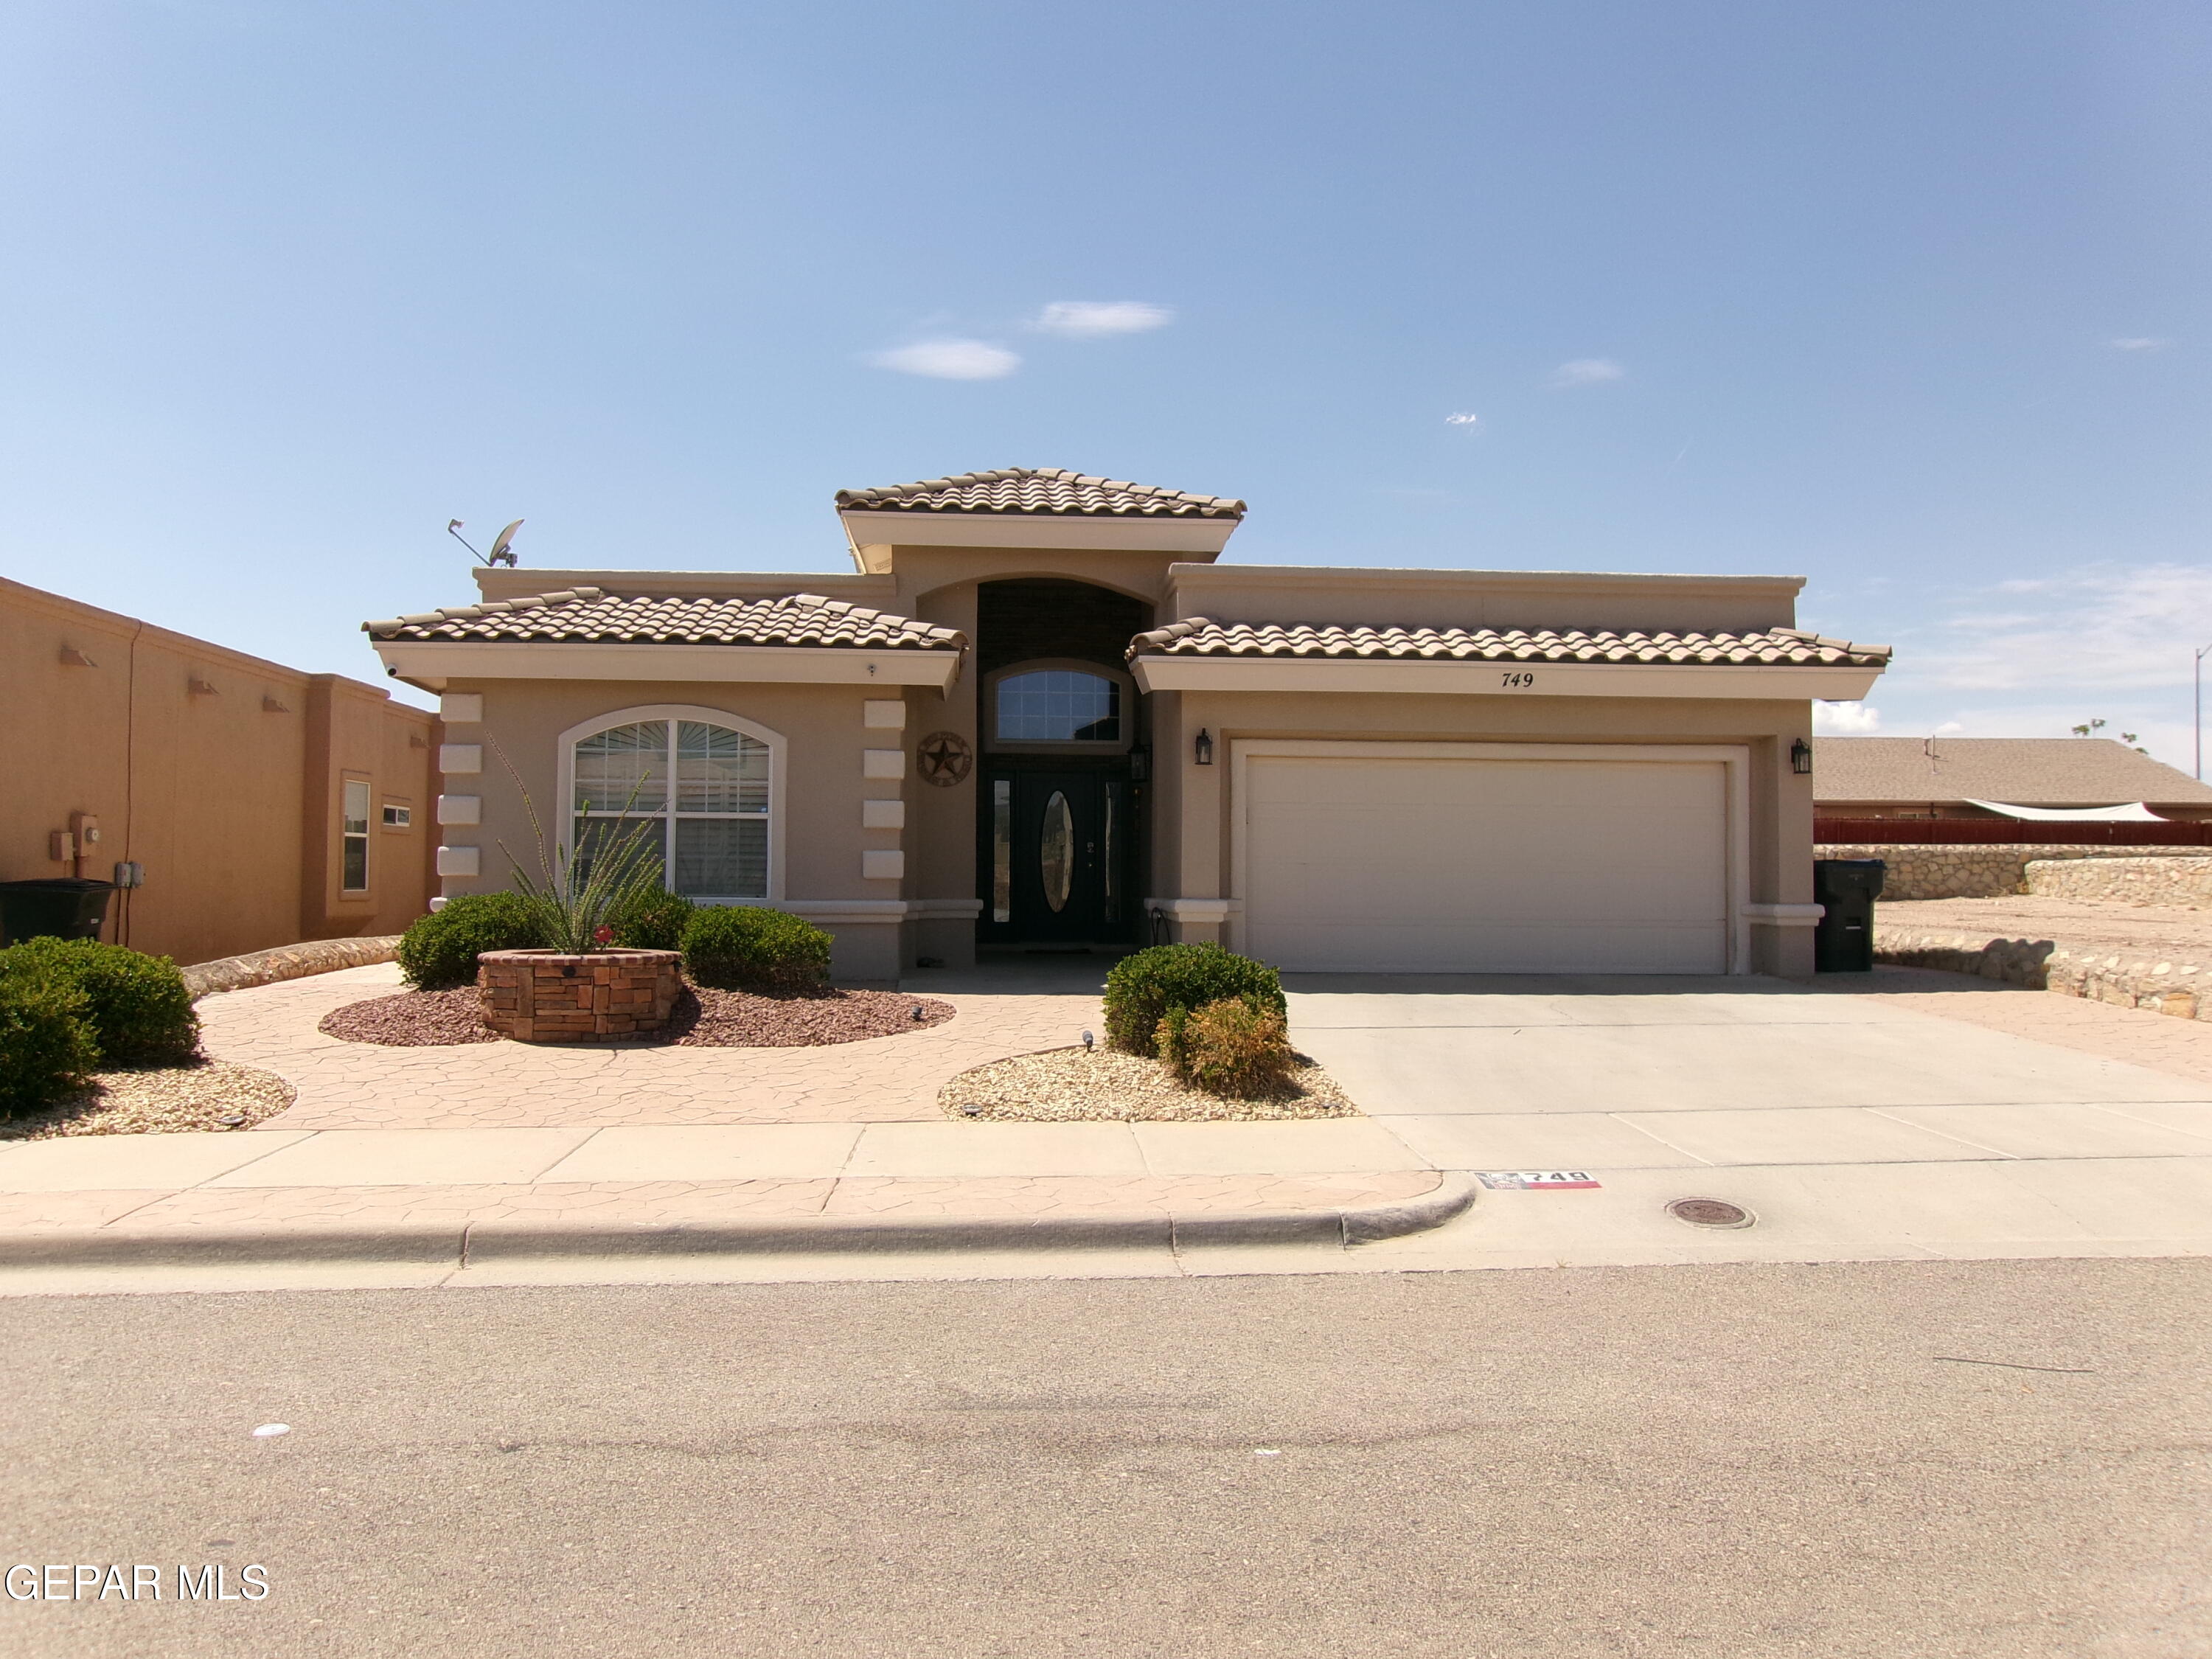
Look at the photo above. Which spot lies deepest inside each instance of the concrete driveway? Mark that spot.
(1849, 1126)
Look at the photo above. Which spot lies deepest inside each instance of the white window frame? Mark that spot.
(996, 744)
(565, 773)
(347, 836)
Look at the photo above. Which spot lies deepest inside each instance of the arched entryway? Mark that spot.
(1061, 808)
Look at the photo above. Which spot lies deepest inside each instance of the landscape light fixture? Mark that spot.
(1201, 748)
(1801, 758)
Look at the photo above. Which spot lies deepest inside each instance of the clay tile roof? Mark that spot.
(1049, 489)
(2018, 771)
(1197, 636)
(590, 615)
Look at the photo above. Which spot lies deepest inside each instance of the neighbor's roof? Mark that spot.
(590, 615)
(1196, 636)
(2021, 771)
(1038, 489)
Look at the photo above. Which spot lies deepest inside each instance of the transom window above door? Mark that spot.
(700, 792)
(1055, 706)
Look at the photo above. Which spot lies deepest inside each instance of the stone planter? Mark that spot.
(544, 996)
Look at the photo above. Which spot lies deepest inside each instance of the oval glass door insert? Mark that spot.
(1056, 852)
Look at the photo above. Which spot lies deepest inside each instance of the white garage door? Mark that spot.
(1422, 864)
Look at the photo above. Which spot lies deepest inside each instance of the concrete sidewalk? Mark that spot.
(457, 1197)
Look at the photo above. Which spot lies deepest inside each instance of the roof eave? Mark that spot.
(434, 664)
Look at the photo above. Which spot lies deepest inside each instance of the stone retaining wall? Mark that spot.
(543, 996)
(321, 955)
(2125, 881)
(2183, 989)
(1924, 871)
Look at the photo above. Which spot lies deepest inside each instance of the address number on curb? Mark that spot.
(1529, 1181)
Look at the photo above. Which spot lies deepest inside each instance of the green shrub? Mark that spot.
(1142, 988)
(740, 948)
(652, 921)
(136, 1005)
(46, 1045)
(1232, 1047)
(440, 951)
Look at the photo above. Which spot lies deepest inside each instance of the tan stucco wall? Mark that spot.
(824, 739)
(230, 805)
(1480, 598)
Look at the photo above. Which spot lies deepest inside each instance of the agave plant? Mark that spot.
(579, 891)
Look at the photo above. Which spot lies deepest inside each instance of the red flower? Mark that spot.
(602, 933)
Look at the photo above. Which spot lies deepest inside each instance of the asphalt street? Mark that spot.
(1953, 1459)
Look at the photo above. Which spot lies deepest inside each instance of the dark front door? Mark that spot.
(1057, 855)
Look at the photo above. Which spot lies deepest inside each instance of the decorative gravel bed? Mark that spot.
(704, 1019)
(413, 1019)
(1067, 1086)
(201, 1095)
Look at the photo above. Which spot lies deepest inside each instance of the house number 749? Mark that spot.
(1520, 681)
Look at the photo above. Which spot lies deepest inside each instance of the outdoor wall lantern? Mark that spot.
(1202, 748)
(1801, 758)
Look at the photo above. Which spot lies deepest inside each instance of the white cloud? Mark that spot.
(2140, 343)
(950, 360)
(1845, 719)
(1949, 729)
(1588, 371)
(2109, 628)
(1463, 420)
(1095, 319)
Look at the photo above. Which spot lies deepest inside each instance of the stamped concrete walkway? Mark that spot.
(518, 1085)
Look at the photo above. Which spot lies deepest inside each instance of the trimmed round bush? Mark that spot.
(654, 922)
(440, 951)
(46, 1046)
(1142, 988)
(736, 947)
(137, 1006)
(1233, 1047)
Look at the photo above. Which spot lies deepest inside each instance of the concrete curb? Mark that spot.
(475, 1244)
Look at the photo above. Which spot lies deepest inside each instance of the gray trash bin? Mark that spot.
(1844, 942)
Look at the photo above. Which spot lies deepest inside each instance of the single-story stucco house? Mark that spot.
(1993, 778)
(1040, 715)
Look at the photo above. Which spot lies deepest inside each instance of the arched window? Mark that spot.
(704, 787)
(1054, 705)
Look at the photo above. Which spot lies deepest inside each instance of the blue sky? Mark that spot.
(1912, 299)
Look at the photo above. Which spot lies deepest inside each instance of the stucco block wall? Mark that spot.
(217, 771)
(1354, 598)
(1924, 871)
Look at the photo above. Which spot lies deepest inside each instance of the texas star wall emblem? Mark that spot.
(945, 758)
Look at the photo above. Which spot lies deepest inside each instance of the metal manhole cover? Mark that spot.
(1710, 1213)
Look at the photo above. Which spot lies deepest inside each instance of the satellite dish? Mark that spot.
(501, 551)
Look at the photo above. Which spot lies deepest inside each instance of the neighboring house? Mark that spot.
(265, 805)
(1972, 777)
(1039, 716)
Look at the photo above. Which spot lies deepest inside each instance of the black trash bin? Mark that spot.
(1844, 942)
(59, 907)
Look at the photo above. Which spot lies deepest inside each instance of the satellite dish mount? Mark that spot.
(502, 549)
